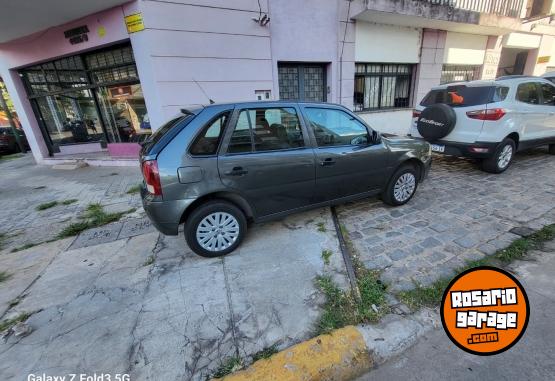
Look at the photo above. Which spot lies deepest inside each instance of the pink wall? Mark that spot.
(51, 43)
(105, 28)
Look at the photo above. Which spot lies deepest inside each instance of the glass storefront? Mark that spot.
(92, 97)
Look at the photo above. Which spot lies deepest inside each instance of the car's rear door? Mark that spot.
(347, 161)
(532, 115)
(267, 158)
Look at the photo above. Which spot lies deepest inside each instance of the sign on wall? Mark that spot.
(134, 23)
(544, 59)
(77, 35)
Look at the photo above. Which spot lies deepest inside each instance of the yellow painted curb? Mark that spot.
(342, 355)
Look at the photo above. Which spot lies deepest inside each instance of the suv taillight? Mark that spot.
(492, 114)
(416, 114)
(152, 177)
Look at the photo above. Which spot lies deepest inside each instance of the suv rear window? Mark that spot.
(464, 96)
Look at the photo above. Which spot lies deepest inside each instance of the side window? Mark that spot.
(209, 139)
(500, 93)
(528, 93)
(335, 127)
(276, 129)
(272, 129)
(548, 94)
(241, 138)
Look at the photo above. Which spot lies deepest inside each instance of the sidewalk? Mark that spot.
(25, 186)
(435, 357)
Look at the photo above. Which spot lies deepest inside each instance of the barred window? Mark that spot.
(459, 73)
(382, 86)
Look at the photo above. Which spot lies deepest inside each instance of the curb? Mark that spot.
(344, 354)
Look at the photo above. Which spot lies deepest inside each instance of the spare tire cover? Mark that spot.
(436, 121)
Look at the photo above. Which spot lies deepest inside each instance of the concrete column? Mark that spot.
(429, 70)
(537, 61)
(141, 44)
(492, 58)
(25, 113)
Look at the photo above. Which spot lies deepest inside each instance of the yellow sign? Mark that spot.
(544, 59)
(101, 31)
(134, 23)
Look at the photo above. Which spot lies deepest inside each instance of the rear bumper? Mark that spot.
(477, 150)
(164, 215)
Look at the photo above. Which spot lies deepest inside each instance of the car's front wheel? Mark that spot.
(215, 228)
(502, 158)
(401, 187)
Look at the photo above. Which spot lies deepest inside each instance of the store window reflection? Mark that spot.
(71, 117)
(124, 111)
(92, 97)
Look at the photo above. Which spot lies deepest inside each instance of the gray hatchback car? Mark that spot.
(216, 168)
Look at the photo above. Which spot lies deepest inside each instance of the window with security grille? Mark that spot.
(302, 82)
(382, 86)
(460, 73)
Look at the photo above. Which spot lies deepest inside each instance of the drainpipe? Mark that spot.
(4, 106)
(341, 56)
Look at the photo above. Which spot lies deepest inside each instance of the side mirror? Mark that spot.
(376, 137)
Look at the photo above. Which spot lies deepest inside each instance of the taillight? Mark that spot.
(416, 114)
(492, 114)
(152, 177)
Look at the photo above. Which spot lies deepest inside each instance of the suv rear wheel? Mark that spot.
(401, 187)
(502, 158)
(215, 228)
(552, 149)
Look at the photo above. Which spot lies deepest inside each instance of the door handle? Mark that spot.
(327, 162)
(236, 171)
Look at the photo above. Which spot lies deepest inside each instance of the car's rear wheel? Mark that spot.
(502, 158)
(552, 149)
(401, 187)
(215, 228)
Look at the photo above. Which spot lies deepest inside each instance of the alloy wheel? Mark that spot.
(404, 187)
(505, 157)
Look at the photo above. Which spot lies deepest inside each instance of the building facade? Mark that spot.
(103, 80)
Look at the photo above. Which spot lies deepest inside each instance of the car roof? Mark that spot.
(504, 80)
(195, 109)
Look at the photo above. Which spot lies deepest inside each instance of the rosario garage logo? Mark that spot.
(485, 311)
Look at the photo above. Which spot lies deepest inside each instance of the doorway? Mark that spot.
(512, 61)
(89, 98)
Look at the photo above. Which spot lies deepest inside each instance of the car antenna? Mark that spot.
(204, 92)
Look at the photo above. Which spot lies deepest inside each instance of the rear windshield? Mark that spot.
(156, 136)
(464, 96)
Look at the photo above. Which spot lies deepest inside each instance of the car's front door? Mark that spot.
(348, 162)
(267, 159)
(548, 105)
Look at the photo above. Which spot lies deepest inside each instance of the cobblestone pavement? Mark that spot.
(460, 213)
(25, 185)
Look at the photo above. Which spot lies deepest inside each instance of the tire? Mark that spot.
(394, 194)
(551, 149)
(499, 162)
(206, 215)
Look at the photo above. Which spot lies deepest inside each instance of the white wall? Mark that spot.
(386, 43)
(213, 42)
(465, 49)
(393, 122)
